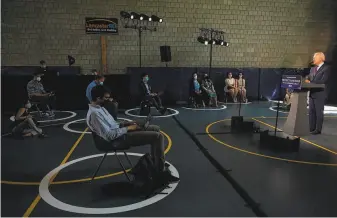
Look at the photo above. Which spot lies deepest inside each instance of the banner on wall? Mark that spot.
(94, 25)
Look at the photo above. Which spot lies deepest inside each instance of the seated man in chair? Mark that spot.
(104, 125)
(36, 93)
(150, 96)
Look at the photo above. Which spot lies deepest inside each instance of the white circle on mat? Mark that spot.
(127, 112)
(72, 114)
(51, 200)
(66, 126)
(272, 109)
(238, 103)
(222, 107)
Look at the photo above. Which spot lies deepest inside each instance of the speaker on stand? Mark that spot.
(165, 54)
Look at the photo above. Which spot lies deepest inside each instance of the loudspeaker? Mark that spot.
(165, 53)
(71, 60)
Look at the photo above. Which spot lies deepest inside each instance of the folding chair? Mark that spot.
(113, 146)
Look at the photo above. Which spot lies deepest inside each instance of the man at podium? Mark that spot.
(319, 74)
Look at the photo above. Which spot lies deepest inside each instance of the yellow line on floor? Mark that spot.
(168, 147)
(38, 197)
(305, 140)
(257, 154)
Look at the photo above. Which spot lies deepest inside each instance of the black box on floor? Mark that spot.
(240, 126)
(277, 142)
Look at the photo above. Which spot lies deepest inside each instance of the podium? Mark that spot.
(297, 123)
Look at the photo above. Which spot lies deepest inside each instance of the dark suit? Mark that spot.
(317, 97)
(145, 92)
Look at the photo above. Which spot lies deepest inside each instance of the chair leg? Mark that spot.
(50, 111)
(120, 163)
(127, 157)
(99, 166)
(38, 110)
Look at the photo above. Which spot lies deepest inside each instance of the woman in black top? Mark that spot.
(208, 88)
(24, 124)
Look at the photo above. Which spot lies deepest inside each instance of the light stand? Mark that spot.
(211, 37)
(210, 56)
(140, 22)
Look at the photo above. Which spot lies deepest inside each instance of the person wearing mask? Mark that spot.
(287, 98)
(110, 105)
(154, 98)
(230, 86)
(319, 74)
(37, 93)
(25, 125)
(106, 127)
(208, 87)
(241, 82)
(195, 91)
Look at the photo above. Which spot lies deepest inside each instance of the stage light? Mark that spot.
(156, 19)
(203, 40)
(219, 42)
(145, 17)
(134, 16)
(212, 41)
(226, 44)
(125, 14)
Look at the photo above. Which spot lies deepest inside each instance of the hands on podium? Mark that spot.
(307, 81)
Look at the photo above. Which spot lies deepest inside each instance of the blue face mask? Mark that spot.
(146, 79)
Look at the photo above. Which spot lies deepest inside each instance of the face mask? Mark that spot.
(38, 78)
(101, 83)
(146, 79)
(29, 105)
(195, 77)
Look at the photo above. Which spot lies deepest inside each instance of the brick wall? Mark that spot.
(262, 33)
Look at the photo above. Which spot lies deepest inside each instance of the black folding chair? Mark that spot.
(145, 107)
(113, 146)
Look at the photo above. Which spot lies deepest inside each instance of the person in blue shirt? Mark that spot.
(110, 105)
(130, 133)
(195, 91)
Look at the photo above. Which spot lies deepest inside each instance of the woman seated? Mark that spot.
(287, 98)
(208, 87)
(230, 87)
(25, 124)
(241, 84)
(195, 91)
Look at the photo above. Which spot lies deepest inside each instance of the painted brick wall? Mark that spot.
(262, 33)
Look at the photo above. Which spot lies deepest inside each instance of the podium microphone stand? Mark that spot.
(297, 121)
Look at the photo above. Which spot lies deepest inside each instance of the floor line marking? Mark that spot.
(168, 148)
(305, 140)
(257, 154)
(38, 197)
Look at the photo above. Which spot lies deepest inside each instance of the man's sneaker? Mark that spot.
(163, 110)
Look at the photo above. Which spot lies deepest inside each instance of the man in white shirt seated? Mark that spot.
(103, 124)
